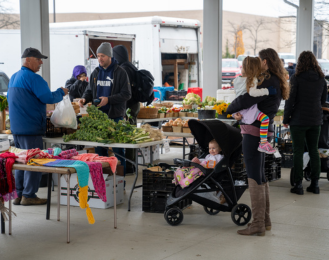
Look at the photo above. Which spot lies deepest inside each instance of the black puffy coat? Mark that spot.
(307, 96)
(269, 105)
(75, 87)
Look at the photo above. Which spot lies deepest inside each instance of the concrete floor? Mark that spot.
(300, 230)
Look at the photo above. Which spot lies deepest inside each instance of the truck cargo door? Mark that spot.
(178, 40)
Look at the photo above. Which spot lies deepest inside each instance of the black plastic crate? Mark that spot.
(285, 146)
(171, 95)
(155, 201)
(52, 131)
(158, 181)
(181, 94)
(287, 160)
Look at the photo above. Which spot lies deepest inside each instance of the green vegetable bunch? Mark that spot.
(97, 127)
(3, 103)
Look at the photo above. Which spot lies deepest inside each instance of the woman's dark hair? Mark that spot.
(307, 61)
(275, 67)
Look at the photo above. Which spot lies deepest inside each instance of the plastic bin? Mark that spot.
(197, 91)
(228, 95)
(163, 91)
(171, 95)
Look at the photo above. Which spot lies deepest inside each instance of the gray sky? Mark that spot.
(258, 7)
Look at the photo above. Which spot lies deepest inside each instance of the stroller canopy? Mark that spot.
(228, 137)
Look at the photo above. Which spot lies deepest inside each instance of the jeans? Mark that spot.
(27, 183)
(309, 135)
(103, 151)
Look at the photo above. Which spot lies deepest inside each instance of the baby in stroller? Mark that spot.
(187, 175)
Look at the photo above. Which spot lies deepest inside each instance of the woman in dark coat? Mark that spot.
(78, 83)
(303, 113)
(275, 77)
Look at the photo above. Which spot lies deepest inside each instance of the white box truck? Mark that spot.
(168, 47)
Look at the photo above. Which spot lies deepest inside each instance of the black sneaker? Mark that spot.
(298, 188)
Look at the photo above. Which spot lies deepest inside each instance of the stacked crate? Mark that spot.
(286, 151)
(157, 186)
(272, 167)
(238, 169)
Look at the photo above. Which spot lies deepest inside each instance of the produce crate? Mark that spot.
(157, 187)
(155, 201)
(52, 131)
(171, 95)
(181, 94)
(285, 146)
(287, 160)
(158, 181)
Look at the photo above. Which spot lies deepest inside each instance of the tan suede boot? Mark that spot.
(258, 205)
(268, 223)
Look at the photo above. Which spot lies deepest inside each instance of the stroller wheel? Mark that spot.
(241, 214)
(307, 174)
(292, 176)
(211, 211)
(174, 216)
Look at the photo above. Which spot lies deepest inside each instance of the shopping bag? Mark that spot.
(64, 115)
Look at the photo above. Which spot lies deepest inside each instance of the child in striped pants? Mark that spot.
(251, 78)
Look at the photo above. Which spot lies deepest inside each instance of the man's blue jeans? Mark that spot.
(27, 183)
(103, 151)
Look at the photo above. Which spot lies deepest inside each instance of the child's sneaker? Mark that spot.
(266, 148)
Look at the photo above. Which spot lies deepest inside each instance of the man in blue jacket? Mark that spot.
(28, 94)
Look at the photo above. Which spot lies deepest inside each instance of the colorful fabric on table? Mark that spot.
(37, 154)
(68, 154)
(96, 173)
(93, 157)
(21, 157)
(7, 179)
(82, 170)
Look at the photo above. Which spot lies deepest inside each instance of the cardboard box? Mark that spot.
(50, 107)
(146, 153)
(93, 200)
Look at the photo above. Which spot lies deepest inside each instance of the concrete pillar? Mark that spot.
(34, 16)
(212, 46)
(305, 26)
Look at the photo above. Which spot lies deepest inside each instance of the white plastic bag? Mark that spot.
(64, 115)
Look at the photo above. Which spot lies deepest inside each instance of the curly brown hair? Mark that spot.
(307, 61)
(275, 67)
(253, 69)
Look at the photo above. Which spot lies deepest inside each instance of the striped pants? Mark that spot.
(264, 122)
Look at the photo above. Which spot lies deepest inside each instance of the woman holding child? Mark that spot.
(263, 73)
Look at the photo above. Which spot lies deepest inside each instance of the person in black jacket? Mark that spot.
(78, 83)
(303, 112)
(110, 84)
(120, 53)
(291, 69)
(274, 73)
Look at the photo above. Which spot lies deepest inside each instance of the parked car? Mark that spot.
(4, 81)
(230, 70)
(241, 58)
(288, 57)
(324, 64)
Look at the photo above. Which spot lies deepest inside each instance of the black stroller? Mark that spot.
(217, 179)
(324, 144)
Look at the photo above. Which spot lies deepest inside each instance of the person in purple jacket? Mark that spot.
(28, 94)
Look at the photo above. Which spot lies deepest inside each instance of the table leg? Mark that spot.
(50, 176)
(184, 139)
(10, 212)
(115, 199)
(133, 187)
(59, 196)
(68, 208)
(3, 227)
